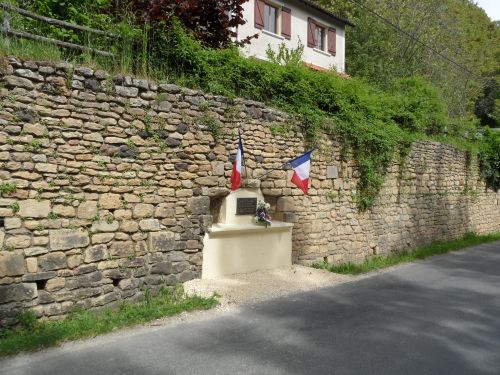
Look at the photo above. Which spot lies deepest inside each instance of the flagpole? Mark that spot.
(242, 154)
(284, 164)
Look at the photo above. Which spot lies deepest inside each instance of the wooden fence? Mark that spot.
(6, 29)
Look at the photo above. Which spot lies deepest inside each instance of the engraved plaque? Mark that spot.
(246, 206)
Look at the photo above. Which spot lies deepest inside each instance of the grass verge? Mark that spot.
(32, 334)
(440, 247)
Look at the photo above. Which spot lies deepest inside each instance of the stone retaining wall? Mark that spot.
(109, 184)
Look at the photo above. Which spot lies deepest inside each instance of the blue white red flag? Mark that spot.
(236, 175)
(302, 167)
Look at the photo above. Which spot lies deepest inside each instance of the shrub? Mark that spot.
(489, 158)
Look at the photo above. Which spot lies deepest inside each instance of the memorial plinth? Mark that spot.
(239, 245)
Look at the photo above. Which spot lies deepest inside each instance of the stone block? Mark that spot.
(121, 249)
(199, 205)
(87, 210)
(18, 292)
(149, 225)
(129, 226)
(13, 81)
(31, 264)
(285, 204)
(19, 241)
(38, 276)
(35, 129)
(110, 201)
(143, 210)
(64, 211)
(35, 251)
(162, 268)
(102, 238)
(208, 181)
(161, 241)
(66, 239)
(12, 223)
(32, 208)
(104, 226)
(130, 92)
(52, 261)
(55, 284)
(186, 276)
(74, 261)
(96, 254)
(12, 263)
(46, 168)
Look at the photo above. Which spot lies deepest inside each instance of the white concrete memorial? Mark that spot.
(237, 244)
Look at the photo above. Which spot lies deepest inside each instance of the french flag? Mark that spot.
(236, 175)
(302, 167)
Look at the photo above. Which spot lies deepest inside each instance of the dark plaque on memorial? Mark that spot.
(246, 206)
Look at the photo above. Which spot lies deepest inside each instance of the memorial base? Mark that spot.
(230, 249)
(239, 245)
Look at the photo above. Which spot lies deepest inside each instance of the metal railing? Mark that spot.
(6, 29)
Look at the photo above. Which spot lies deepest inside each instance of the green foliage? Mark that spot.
(458, 29)
(7, 188)
(14, 207)
(286, 56)
(487, 107)
(378, 262)
(27, 320)
(28, 49)
(32, 334)
(417, 105)
(92, 13)
(210, 123)
(34, 146)
(489, 158)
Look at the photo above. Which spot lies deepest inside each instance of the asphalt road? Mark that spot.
(439, 316)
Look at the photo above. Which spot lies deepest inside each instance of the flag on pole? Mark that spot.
(236, 175)
(302, 167)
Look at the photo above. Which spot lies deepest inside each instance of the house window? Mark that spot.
(319, 37)
(270, 18)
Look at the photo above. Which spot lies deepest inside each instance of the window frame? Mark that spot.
(321, 46)
(277, 18)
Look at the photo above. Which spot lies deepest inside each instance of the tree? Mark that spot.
(487, 106)
(213, 22)
(458, 29)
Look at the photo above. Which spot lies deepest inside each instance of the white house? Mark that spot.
(289, 21)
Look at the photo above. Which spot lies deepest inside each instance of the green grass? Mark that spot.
(32, 334)
(440, 247)
(28, 49)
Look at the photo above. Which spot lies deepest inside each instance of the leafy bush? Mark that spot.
(489, 158)
(417, 106)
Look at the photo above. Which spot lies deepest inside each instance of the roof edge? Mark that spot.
(323, 10)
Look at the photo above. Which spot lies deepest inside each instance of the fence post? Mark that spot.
(6, 26)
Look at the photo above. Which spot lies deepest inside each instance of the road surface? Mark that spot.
(438, 316)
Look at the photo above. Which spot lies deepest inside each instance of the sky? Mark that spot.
(492, 8)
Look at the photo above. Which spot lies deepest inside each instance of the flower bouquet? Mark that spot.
(262, 213)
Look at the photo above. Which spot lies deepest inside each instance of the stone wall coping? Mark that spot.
(233, 229)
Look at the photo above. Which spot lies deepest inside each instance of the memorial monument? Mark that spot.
(238, 244)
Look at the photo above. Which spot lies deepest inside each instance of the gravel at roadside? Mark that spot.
(242, 289)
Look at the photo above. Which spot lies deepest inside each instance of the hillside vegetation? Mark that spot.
(376, 115)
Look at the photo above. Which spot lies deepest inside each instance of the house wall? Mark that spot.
(116, 181)
(300, 14)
